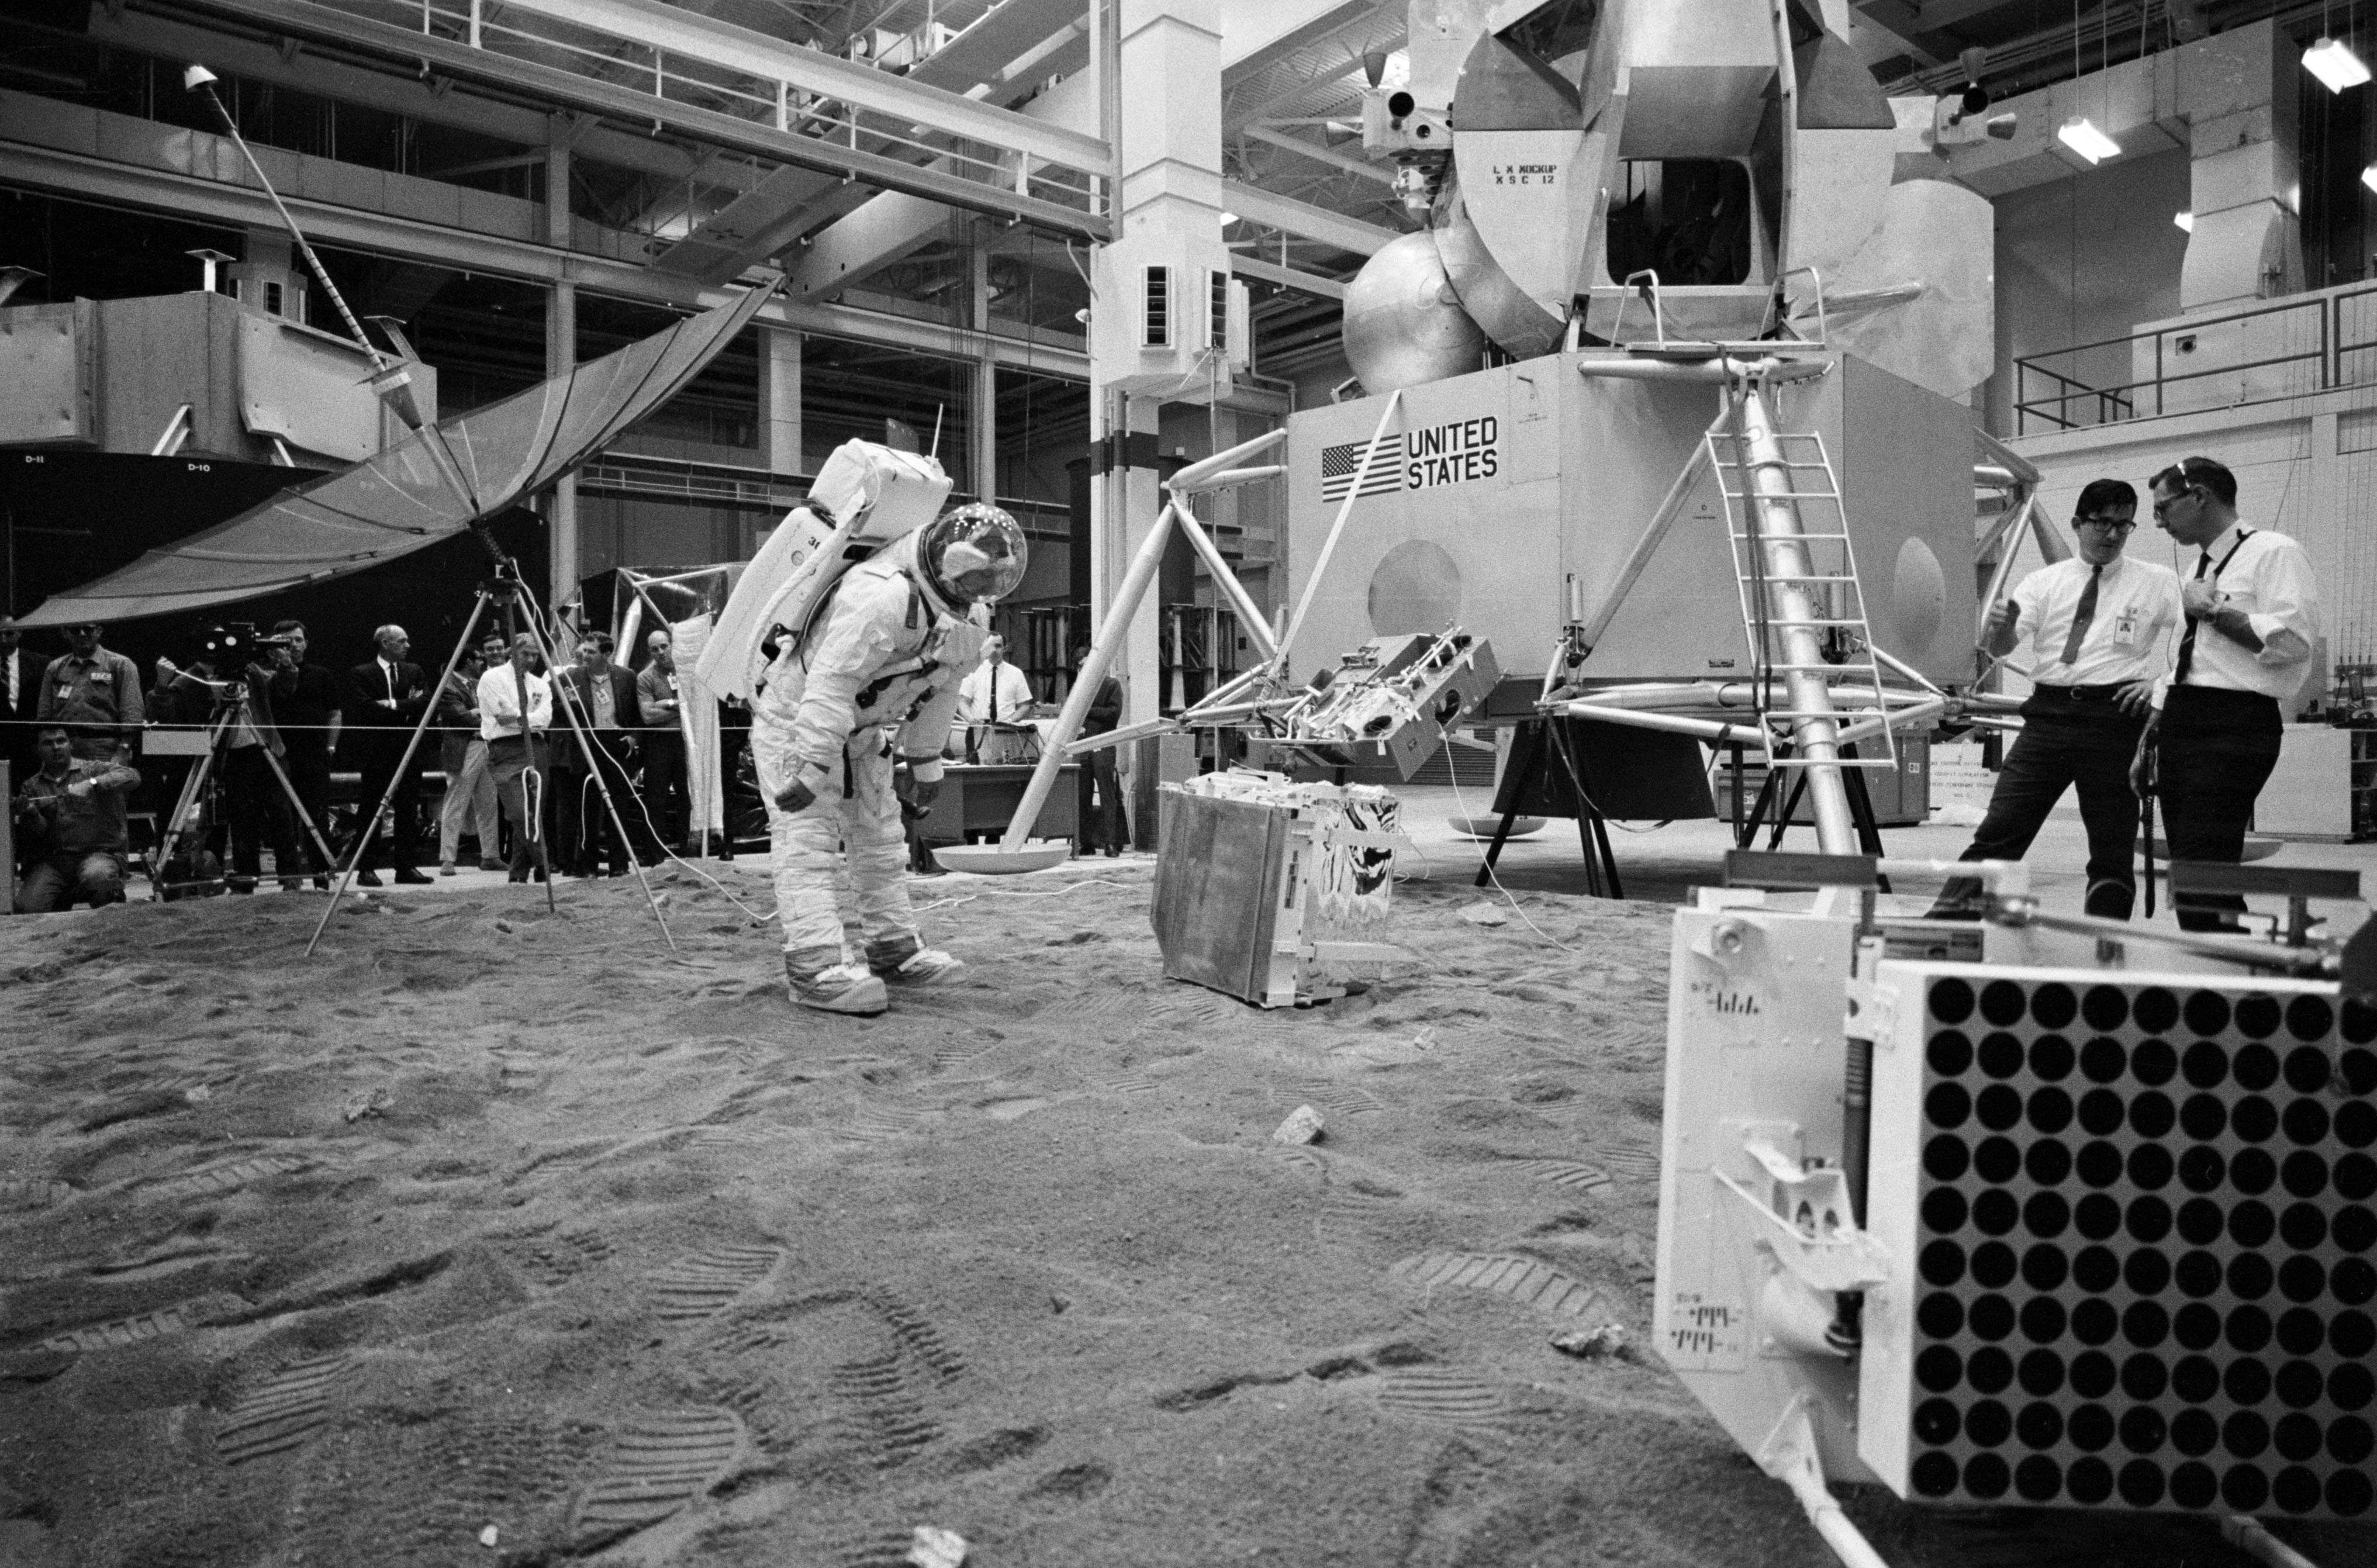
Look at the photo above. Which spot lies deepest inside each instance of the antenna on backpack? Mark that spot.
(938, 415)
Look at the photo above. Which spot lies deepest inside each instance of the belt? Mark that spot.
(2082, 693)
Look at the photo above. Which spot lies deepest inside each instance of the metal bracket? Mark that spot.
(1806, 1222)
(1873, 1010)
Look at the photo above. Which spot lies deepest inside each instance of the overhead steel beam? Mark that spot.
(760, 223)
(634, 106)
(1302, 218)
(1260, 33)
(1289, 278)
(258, 60)
(683, 34)
(887, 227)
(1318, 153)
(106, 182)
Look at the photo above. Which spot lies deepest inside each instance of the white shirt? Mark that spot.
(2270, 578)
(2130, 637)
(499, 701)
(1014, 693)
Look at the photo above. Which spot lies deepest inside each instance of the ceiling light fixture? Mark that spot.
(2080, 135)
(2334, 62)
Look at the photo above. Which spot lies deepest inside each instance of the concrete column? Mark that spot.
(560, 354)
(1140, 498)
(1168, 160)
(780, 399)
(981, 407)
(557, 181)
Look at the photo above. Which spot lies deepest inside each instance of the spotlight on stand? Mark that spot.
(196, 76)
(2080, 135)
(2334, 62)
(2369, 176)
(2185, 221)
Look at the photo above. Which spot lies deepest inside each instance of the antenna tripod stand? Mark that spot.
(230, 713)
(506, 591)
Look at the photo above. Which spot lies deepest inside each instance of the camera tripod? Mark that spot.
(506, 591)
(230, 712)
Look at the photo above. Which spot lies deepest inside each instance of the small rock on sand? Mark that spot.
(937, 1547)
(1302, 1126)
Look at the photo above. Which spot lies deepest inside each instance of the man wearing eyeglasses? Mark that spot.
(2253, 617)
(2097, 627)
(95, 692)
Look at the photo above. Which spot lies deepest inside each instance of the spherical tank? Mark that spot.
(1404, 324)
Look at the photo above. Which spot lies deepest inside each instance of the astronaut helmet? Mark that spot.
(973, 555)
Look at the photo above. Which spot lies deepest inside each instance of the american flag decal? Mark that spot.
(1340, 464)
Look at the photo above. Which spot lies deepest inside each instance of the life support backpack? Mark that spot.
(866, 497)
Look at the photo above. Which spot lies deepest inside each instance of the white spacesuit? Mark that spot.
(873, 683)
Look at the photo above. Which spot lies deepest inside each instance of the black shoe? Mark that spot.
(322, 884)
(367, 879)
(411, 878)
(240, 883)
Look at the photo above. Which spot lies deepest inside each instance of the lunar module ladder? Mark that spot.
(1795, 568)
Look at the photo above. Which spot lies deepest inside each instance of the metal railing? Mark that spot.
(2287, 348)
(589, 51)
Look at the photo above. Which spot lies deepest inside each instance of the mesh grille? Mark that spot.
(2143, 1272)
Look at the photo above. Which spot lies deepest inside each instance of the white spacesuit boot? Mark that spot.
(818, 977)
(806, 852)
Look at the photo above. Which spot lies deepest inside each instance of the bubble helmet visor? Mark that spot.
(975, 553)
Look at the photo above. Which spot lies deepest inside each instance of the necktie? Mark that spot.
(2082, 615)
(14, 662)
(391, 680)
(2187, 639)
(994, 694)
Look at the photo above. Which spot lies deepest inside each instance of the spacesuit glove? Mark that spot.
(802, 793)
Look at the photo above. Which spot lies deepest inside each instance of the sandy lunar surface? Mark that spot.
(490, 1236)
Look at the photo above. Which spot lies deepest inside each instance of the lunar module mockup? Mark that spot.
(1664, 401)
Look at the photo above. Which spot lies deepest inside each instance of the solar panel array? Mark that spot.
(2142, 1250)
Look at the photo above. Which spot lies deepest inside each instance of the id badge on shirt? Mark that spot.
(2126, 628)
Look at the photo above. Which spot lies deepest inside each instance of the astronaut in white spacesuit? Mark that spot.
(872, 685)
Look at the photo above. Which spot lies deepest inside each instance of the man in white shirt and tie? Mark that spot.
(2251, 619)
(2098, 626)
(996, 694)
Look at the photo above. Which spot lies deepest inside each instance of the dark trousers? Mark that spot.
(308, 767)
(377, 757)
(2215, 750)
(2070, 739)
(583, 833)
(663, 753)
(1104, 824)
(254, 808)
